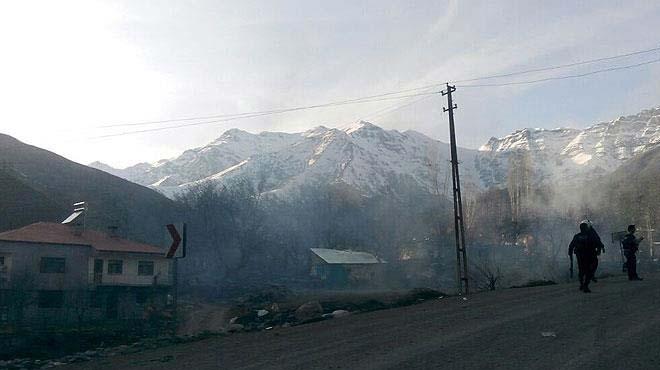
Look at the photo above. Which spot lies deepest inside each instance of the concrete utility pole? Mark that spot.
(462, 283)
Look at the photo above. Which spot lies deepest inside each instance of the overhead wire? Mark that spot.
(564, 77)
(365, 99)
(384, 96)
(392, 109)
(559, 66)
(261, 114)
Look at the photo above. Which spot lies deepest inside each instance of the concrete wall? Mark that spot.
(22, 283)
(24, 261)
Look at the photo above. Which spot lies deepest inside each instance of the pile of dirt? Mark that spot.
(261, 311)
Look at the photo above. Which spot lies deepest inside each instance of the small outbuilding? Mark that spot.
(345, 268)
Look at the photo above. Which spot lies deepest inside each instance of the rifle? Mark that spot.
(571, 268)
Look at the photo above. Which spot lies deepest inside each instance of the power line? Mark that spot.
(392, 108)
(380, 97)
(365, 99)
(559, 66)
(342, 102)
(565, 77)
(258, 114)
(358, 101)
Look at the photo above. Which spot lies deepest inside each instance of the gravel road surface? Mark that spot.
(552, 327)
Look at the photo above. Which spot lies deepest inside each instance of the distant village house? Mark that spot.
(339, 269)
(54, 273)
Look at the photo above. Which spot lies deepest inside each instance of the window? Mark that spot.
(98, 271)
(145, 268)
(51, 299)
(98, 266)
(2, 260)
(52, 265)
(115, 267)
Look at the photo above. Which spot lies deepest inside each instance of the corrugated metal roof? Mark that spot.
(335, 256)
(47, 232)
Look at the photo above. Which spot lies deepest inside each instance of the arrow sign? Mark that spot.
(176, 240)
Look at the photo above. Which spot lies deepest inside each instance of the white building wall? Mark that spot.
(129, 276)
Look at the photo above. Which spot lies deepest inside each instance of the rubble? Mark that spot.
(236, 327)
(339, 313)
(273, 314)
(309, 311)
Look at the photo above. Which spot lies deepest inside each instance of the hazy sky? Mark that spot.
(68, 67)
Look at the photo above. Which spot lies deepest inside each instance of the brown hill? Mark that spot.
(38, 185)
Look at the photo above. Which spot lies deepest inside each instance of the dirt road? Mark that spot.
(615, 327)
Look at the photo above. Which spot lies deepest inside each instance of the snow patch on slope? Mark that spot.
(376, 161)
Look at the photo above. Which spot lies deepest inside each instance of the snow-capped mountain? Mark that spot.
(571, 155)
(219, 157)
(374, 160)
(363, 155)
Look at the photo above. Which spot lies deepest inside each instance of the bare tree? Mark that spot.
(519, 182)
(486, 273)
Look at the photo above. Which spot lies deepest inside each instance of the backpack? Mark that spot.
(584, 244)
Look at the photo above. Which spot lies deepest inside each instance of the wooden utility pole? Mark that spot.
(462, 283)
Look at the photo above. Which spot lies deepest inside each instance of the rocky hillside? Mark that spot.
(374, 160)
(571, 155)
(364, 156)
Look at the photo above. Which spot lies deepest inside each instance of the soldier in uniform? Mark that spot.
(630, 246)
(585, 247)
(600, 248)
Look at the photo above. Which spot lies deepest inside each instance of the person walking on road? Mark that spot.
(585, 248)
(600, 248)
(630, 247)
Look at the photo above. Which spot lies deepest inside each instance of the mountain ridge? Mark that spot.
(371, 158)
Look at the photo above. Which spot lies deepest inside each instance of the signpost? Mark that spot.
(171, 253)
(176, 239)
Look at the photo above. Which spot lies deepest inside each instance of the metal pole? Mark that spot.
(184, 242)
(175, 277)
(459, 228)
